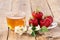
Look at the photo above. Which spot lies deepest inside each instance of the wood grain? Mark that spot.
(3, 29)
(55, 7)
(3, 35)
(41, 38)
(14, 36)
(5, 6)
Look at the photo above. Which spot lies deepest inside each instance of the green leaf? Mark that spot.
(44, 29)
(33, 33)
(33, 28)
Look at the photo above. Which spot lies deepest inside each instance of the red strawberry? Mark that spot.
(45, 22)
(37, 15)
(50, 17)
(30, 21)
(34, 22)
(34, 14)
(42, 22)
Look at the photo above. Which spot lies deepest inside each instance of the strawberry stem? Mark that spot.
(37, 9)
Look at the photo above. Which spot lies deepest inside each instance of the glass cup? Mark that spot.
(16, 19)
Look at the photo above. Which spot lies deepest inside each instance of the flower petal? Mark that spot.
(29, 30)
(37, 28)
(20, 30)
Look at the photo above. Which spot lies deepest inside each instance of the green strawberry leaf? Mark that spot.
(33, 33)
(44, 29)
(33, 28)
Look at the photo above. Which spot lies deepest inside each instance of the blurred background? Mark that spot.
(48, 7)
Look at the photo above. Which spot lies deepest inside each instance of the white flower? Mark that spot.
(17, 28)
(30, 30)
(20, 30)
(37, 28)
(25, 29)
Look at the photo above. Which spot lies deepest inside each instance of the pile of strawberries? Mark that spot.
(39, 19)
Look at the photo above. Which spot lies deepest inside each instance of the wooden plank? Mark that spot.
(3, 35)
(14, 36)
(3, 29)
(4, 8)
(55, 7)
(53, 33)
(41, 38)
(43, 6)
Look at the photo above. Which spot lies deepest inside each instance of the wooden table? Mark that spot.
(48, 7)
